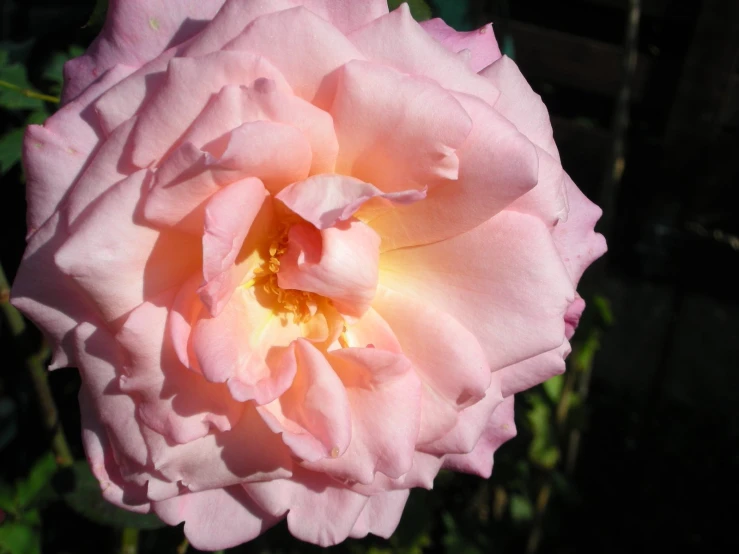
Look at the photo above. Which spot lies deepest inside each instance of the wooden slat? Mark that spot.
(570, 60)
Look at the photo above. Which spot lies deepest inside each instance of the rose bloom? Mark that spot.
(303, 253)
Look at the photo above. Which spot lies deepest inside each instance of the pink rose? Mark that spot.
(303, 253)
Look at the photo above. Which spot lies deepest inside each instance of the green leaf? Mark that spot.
(84, 497)
(97, 17)
(6, 498)
(542, 450)
(521, 508)
(603, 305)
(10, 154)
(19, 538)
(15, 75)
(419, 8)
(40, 475)
(553, 387)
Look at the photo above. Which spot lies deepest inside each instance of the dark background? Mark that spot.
(638, 448)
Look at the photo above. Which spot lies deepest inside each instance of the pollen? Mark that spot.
(297, 303)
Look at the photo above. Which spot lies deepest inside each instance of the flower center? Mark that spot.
(301, 304)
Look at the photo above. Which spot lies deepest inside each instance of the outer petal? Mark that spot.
(313, 415)
(187, 88)
(385, 397)
(396, 131)
(497, 165)
(381, 515)
(320, 510)
(287, 39)
(548, 199)
(345, 15)
(398, 41)
(216, 519)
(434, 342)
(533, 371)
(135, 32)
(46, 295)
(480, 43)
(339, 263)
(503, 281)
(521, 105)
(500, 428)
(324, 200)
(131, 262)
(576, 239)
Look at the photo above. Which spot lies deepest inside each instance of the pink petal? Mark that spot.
(175, 402)
(398, 41)
(288, 40)
(339, 263)
(533, 371)
(480, 43)
(234, 347)
(500, 428)
(229, 215)
(275, 153)
(521, 105)
(576, 240)
(385, 397)
(503, 281)
(314, 414)
(135, 32)
(319, 510)
(470, 424)
(548, 199)
(324, 200)
(235, 105)
(371, 331)
(46, 296)
(131, 262)
(187, 88)
(573, 315)
(102, 462)
(105, 169)
(422, 474)
(216, 519)
(381, 515)
(497, 165)
(396, 131)
(434, 341)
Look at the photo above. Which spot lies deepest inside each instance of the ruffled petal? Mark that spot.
(501, 428)
(533, 371)
(480, 43)
(576, 239)
(135, 32)
(381, 515)
(216, 519)
(434, 342)
(324, 200)
(339, 263)
(186, 90)
(131, 262)
(503, 281)
(314, 414)
(319, 510)
(397, 40)
(229, 215)
(279, 36)
(497, 165)
(175, 402)
(236, 346)
(548, 199)
(385, 397)
(396, 131)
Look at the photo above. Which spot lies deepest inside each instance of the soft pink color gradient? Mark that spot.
(303, 253)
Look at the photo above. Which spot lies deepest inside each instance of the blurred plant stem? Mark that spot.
(36, 364)
(130, 541)
(30, 93)
(184, 545)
